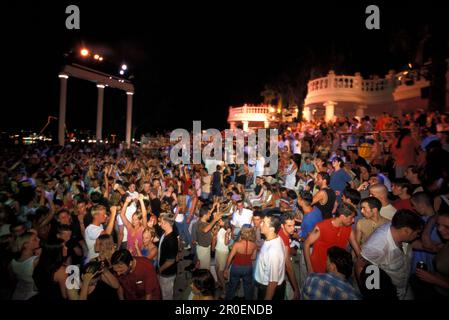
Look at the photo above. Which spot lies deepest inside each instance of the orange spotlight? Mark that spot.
(96, 57)
(84, 52)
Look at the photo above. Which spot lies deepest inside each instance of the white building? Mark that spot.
(342, 95)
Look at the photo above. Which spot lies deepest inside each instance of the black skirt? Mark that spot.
(241, 179)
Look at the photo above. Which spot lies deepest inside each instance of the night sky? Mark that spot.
(189, 61)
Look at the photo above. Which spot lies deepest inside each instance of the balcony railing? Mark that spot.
(250, 110)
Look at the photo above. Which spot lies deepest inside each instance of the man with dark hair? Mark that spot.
(167, 253)
(412, 174)
(155, 202)
(325, 199)
(402, 189)
(202, 233)
(351, 196)
(332, 285)
(311, 216)
(371, 219)
(339, 178)
(422, 205)
(389, 248)
(285, 233)
(136, 275)
(256, 222)
(328, 233)
(270, 265)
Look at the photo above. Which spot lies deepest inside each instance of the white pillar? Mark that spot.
(245, 125)
(100, 112)
(129, 115)
(62, 108)
(330, 109)
(266, 124)
(232, 125)
(306, 113)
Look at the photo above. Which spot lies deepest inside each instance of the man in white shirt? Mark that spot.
(95, 229)
(380, 192)
(389, 248)
(270, 265)
(241, 217)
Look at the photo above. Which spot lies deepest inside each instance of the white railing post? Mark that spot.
(331, 78)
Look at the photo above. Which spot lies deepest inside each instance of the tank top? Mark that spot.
(131, 239)
(23, 272)
(241, 259)
(326, 209)
(329, 236)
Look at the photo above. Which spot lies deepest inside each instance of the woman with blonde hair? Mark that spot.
(23, 266)
(105, 247)
(149, 249)
(135, 226)
(241, 260)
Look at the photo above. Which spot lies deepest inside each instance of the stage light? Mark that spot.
(84, 52)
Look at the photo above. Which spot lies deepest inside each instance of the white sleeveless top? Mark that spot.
(23, 272)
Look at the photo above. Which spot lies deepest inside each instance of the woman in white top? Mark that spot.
(290, 175)
(220, 241)
(23, 267)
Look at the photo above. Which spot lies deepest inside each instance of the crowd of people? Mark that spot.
(359, 209)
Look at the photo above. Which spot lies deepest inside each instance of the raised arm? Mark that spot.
(144, 210)
(106, 182)
(217, 217)
(111, 221)
(318, 197)
(125, 220)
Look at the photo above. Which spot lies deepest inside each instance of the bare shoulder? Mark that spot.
(60, 274)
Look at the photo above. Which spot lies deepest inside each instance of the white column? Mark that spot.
(306, 113)
(100, 112)
(129, 115)
(232, 125)
(245, 125)
(330, 110)
(266, 124)
(62, 108)
(360, 111)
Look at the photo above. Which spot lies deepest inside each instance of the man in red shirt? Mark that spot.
(402, 189)
(136, 275)
(287, 229)
(328, 233)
